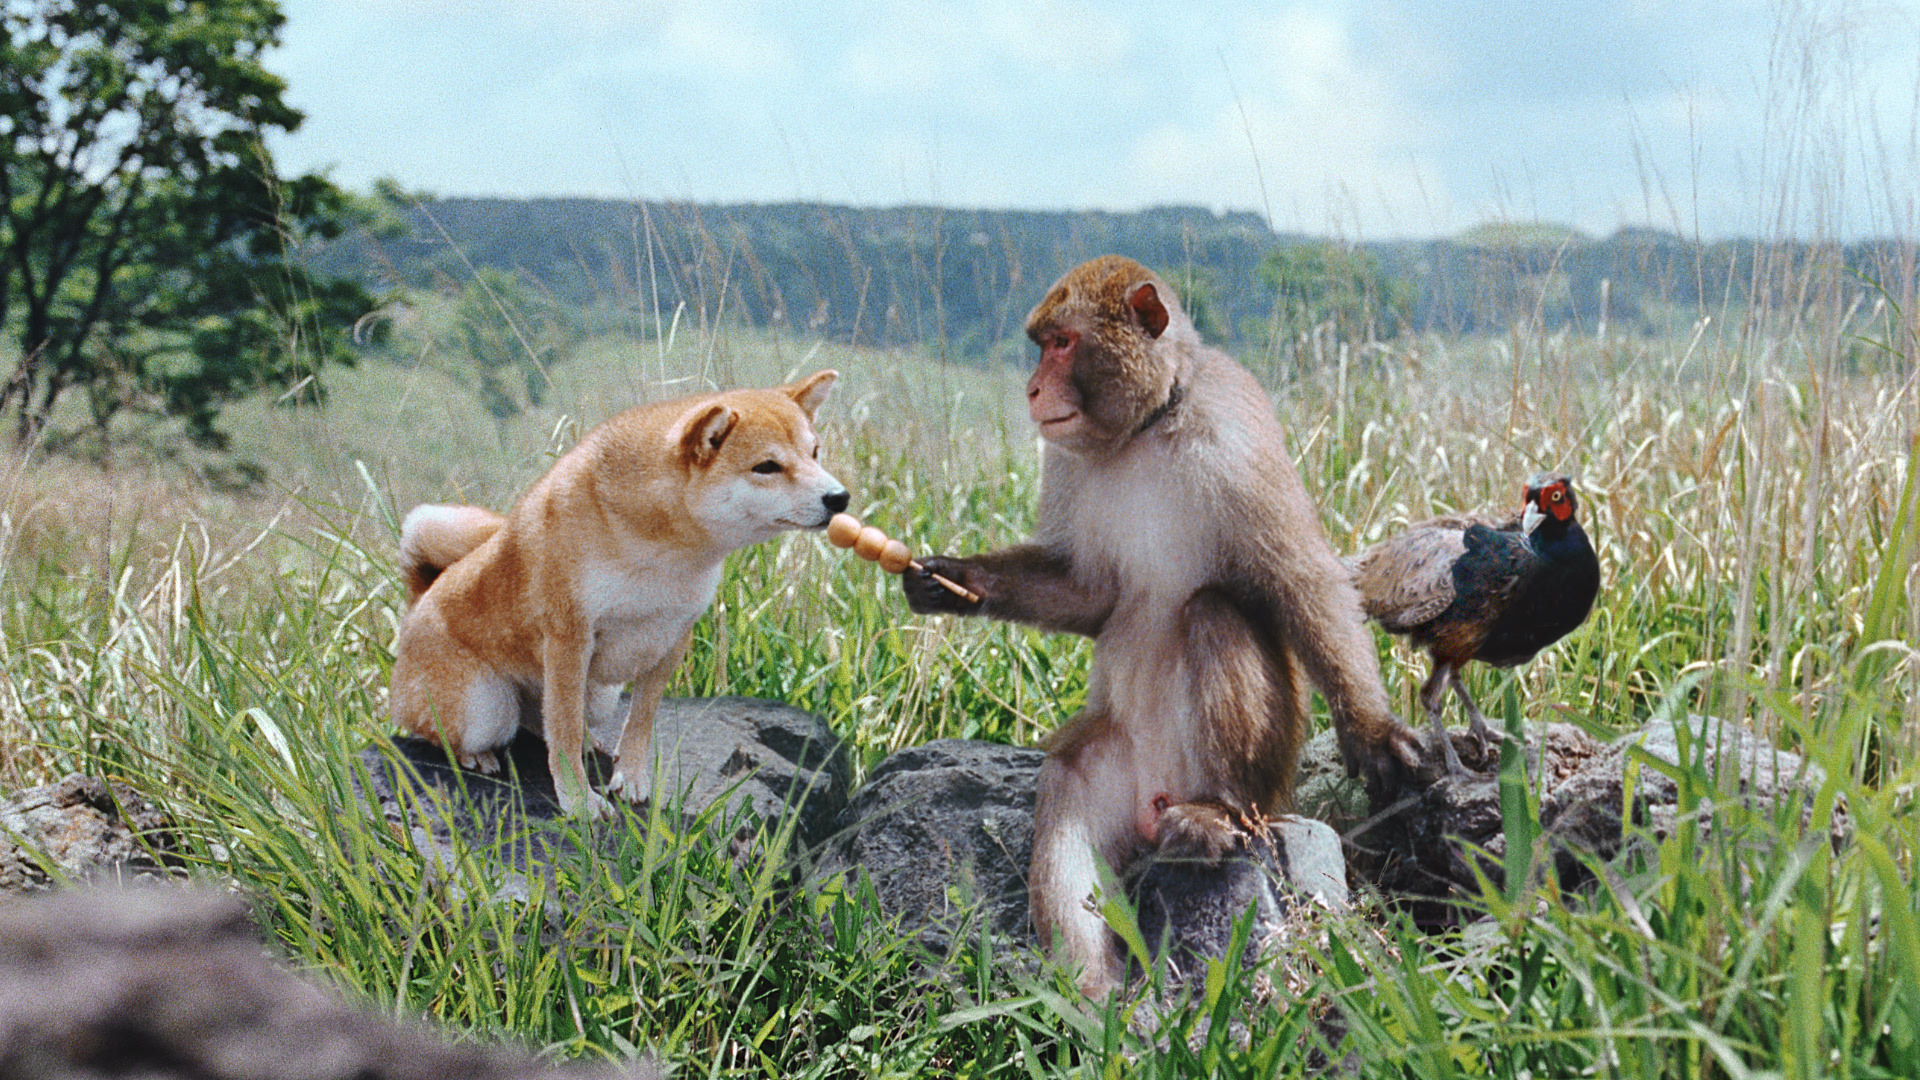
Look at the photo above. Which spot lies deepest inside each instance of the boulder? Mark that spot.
(1187, 910)
(1742, 766)
(944, 832)
(169, 982)
(79, 828)
(753, 764)
(1427, 846)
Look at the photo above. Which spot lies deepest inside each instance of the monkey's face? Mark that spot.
(1102, 370)
(1092, 390)
(1054, 400)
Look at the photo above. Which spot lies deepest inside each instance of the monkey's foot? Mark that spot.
(1205, 830)
(484, 762)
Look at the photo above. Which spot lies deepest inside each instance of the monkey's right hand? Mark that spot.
(1203, 831)
(928, 596)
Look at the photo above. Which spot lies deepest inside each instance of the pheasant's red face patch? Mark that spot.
(1555, 501)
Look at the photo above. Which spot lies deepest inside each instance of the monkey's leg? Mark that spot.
(1084, 817)
(1248, 714)
(1433, 697)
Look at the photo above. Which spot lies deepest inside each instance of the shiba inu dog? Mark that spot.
(596, 577)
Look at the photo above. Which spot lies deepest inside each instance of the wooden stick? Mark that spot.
(953, 587)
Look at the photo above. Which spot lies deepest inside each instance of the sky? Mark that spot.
(1361, 119)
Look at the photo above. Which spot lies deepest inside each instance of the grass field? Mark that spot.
(1750, 485)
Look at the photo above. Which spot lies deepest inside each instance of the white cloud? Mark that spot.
(1301, 126)
(1371, 117)
(705, 42)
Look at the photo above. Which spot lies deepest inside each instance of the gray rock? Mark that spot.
(1740, 765)
(771, 761)
(945, 831)
(754, 765)
(163, 982)
(1315, 866)
(1188, 910)
(80, 828)
(1429, 844)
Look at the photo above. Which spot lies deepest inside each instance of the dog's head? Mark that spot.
(753, 460)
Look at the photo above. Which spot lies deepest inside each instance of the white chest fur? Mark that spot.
(1139, 519)
(640, 612)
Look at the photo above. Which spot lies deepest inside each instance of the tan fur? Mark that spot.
(596, 578)
(433, 538)
(1175, 532)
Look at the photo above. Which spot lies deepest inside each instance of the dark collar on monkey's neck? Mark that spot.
(1159, 414)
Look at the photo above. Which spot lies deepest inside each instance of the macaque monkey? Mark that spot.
(1174, 531)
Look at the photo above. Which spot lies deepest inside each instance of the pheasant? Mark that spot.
(1471, 587)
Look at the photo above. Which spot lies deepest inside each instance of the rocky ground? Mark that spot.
(112, 980)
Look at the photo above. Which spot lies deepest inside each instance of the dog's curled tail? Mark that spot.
(433, 538)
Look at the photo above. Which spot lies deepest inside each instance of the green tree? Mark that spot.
(1343, 288)
(512, 337)
(149, 251)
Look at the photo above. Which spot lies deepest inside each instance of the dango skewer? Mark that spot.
(847, 531)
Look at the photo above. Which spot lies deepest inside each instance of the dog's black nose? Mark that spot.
(836, 500)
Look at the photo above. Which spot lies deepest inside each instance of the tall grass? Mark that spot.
(1750, 484)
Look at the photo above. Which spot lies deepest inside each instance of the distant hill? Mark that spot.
(964, 279)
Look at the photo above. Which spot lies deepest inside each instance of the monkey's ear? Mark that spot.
(1147, 307)
(706, 430)
(811, 393)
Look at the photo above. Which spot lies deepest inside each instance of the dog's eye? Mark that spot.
(767, 468)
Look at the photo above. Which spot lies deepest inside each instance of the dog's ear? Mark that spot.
(706, 430)
(811, 392)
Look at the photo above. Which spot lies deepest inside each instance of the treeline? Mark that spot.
(963, 280)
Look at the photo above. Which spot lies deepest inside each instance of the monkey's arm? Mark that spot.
(1321, 619)
(1027, 583)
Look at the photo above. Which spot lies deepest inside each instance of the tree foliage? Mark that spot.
(1341, 288)
(149, 250)
(509, 338)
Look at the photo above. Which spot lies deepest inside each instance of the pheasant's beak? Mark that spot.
(1530, 519)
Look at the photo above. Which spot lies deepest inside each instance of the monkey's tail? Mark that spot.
(433, 538)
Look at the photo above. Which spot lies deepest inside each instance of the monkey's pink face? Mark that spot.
(1052, 399)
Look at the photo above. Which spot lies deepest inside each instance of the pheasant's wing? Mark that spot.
(1494, 566)
(1407, 580)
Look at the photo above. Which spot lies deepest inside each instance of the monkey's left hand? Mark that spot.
(928, 597)
(1388, 757)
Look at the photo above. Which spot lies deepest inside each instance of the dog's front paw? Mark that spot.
(590, 805)
(635, 790)
(485, 762)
